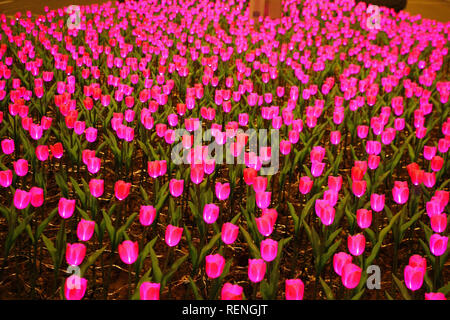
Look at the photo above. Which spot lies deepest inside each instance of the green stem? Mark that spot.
(255, 291)
(129, 281)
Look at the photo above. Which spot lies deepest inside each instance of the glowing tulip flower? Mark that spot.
(331, 196)
(96, 187)
(153, 168)
(173, 235)
(249, 176)
(42, 153)
(21, 167)
(93, 165)
(222, 190)
(214, 265)
(259, 184)
(122, 189)
(66, 207)
(231, 292)
(351, 275)
(229, 232)
(356, 244)
(85, 230)
(269, 249)
(364, 218)
(317, 168)
(373, 161)
(317, 153)
(413, 277)
(256, 270)
(197, 173)
(91, 134)
(362, 131)
(340, 259)
(438, 244)
(294, 289)
(7, 146)
(21, 199)
(435, 296)
(429, 179)
(327, 215)
(359, 188)
(36, 196)
(335, 137)
(264, 225)
(429, 152)
(438, 222)
(57, 150)
(263, 199)
(128, 251)
(415, 173)
(75, 253)
(436, 163)
(357, 173)
(400, 192)
(6, 177)
(176, 187)
(75, 287)
(418, 261)
(305, 184)
(377, 202)
(335, 183)
(149, 291)
(285, 147)
(210, 213)
(147, 215)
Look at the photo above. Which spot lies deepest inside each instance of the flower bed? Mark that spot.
(186, 151)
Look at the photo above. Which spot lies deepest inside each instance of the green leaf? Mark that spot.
(235, 218)
(204, 251)
(371, 235)
(145, 277)
(294, 217)
(166, 278)
(324, 258)
(79, 192)
(428, 282)
(215, 288)
(402, 288)
(20, 228)
(445, 289)
(408, 224)
(51, 248)
(157, 273)
(44, 223)
(253, 249)
(143, 254)
(92, 258)
(127, 224)
(332, 237)
(326, 288)
(62, 184)
(144, 194)
(110, 229)
(358, 295)
(84, 214)
(381, 237)
(427, 251)
(195, 290)
(275, 274)
(314, 242)
(388, 295)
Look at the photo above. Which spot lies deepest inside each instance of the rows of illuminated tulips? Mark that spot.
(89, 117)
